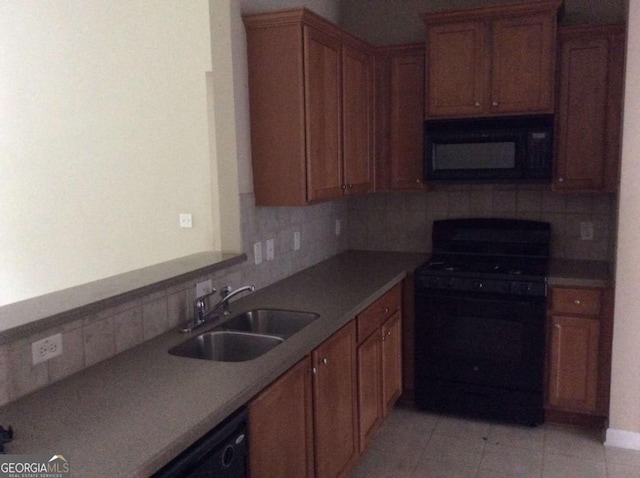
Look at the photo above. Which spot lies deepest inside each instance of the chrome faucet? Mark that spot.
(227, 293)
(200, 313)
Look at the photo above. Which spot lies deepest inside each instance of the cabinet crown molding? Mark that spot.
(303, 16)
(543, 6)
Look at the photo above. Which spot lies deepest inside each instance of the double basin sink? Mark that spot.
(245, 336)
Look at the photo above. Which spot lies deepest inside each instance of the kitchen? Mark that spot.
(363, 214)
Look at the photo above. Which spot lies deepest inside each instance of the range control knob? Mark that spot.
(477, 284)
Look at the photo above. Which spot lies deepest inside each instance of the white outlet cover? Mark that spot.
(203, 288)
(46, 349)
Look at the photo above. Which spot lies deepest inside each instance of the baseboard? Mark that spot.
(623, 439)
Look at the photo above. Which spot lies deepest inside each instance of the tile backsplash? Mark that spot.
(99, 336)
(402, 221)
(386, 221)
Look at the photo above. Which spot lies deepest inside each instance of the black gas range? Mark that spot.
(480, 319)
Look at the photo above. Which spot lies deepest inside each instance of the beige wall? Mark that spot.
(625, 387)
(103, 141)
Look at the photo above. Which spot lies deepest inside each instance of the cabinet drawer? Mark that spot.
(373, 316)
(575, 301)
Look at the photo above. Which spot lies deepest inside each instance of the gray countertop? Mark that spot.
(579, 273)
(131, 414)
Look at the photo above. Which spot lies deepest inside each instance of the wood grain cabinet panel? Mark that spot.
(591, 68)
(379, 355)
(311, 109)
(406, 133)
(281, 426)
(579, 353)
(491, 60)
(574, 363)
(335, 405)
(391, 332)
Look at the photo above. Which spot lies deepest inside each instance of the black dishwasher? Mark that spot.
(221, 453)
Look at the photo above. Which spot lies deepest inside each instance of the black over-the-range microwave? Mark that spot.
(505, 148)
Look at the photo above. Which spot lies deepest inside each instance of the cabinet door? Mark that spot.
(369, 388)
(391, 361)
(322, 115)
(334, 393)
(281, 427)
(588, 119)
(522, 64)
(457, 69)
(573, 369)
(406, 130)
(357, 119)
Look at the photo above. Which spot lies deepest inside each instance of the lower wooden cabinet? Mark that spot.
(369, 389)
(574, 363)
(281, 426)
(334, 403)
(391, 362)
(379, 358)
(304, 424)
(316, 419)
(579, 352)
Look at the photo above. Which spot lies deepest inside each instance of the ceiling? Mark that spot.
(390, 22)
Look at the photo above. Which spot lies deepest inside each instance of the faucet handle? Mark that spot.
(200, 304)
(225, 291)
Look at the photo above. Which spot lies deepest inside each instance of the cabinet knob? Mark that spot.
(389, 334)
(325, 361)
(350, 186)
(560, 180)
(418, 181)
(386, 310)
(344, 186)
(576, 301)
(477, 104)
(495, 103)
(557, 326)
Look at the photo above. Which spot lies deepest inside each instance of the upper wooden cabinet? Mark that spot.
(311, 107)
(588, 120)
(399, 118)
(491, 61)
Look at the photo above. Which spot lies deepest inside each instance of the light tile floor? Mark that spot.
(415, 444)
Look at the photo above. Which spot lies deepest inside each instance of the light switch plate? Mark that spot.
(270, 249)
(186, 220)
(586, 231)
(257, 252)
(296, 241)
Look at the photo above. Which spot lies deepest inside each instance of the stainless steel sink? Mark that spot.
(246, 336)
(282, 323)
(226, 346)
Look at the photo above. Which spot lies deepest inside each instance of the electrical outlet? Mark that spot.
(257, 252)
(46, 349)
(186, 220)
(296, 241)
(270, 249)
(203, 288)
(338, 227)
(586, 231)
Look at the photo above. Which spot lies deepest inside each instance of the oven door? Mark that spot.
(480, 339)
